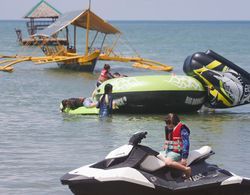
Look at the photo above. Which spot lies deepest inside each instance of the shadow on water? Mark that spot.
(59, 72)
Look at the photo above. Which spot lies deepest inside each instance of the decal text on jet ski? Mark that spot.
(194, 101)
(198, 177)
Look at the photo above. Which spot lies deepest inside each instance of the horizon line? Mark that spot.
(157, 20)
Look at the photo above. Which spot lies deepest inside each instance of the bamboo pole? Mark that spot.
(9, 68)
(87, 34)
(75, 38)
(6, 69)
(114, 44)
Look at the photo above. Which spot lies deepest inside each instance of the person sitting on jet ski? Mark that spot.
(177, 144)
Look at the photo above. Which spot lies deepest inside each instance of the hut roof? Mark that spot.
(43, 10)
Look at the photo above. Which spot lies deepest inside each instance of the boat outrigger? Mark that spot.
(67, 56)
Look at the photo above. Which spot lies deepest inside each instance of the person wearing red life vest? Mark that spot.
(105, 75)
(177, 144)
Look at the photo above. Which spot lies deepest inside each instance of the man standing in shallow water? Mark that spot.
(106, 102)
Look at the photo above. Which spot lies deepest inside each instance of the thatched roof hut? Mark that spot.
(41, 15)
(43, 10)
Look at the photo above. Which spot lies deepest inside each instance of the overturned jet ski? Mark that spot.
(136, 169)
(227, 84)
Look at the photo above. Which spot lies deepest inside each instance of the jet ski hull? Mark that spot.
(94, 187)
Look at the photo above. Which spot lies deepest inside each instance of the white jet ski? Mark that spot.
(137, 170)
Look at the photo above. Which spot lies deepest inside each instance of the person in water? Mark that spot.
(106, 102)
(74, 103)
(105, 75)
(177, 144)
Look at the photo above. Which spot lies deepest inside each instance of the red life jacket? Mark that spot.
(174, 140)
(104, 76)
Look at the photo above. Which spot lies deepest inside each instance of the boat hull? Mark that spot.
(77, 66)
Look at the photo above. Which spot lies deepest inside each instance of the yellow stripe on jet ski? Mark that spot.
(199, 73)
(214, 92)
(213, 64)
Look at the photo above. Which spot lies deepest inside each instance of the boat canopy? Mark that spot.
(78, 18)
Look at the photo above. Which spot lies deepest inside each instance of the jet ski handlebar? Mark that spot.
(137, 137)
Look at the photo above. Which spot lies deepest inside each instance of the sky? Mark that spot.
(139, 9)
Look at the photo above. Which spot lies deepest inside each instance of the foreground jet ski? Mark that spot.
(136, 169)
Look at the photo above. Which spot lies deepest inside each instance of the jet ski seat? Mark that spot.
(196, 155)
(152, 163)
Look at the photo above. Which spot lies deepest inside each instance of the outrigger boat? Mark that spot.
(67, 56)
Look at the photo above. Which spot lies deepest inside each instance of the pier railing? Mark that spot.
(34, 26)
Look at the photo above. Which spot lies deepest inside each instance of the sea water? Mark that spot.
(38, 144)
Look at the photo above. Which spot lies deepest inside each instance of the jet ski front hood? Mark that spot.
(88, 174)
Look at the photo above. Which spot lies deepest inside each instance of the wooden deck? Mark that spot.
(50, 41)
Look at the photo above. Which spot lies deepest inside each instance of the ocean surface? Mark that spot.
(38, 144)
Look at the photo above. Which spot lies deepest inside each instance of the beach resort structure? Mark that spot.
(39, 17)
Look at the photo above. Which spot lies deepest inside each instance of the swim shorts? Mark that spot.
(174, 156)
